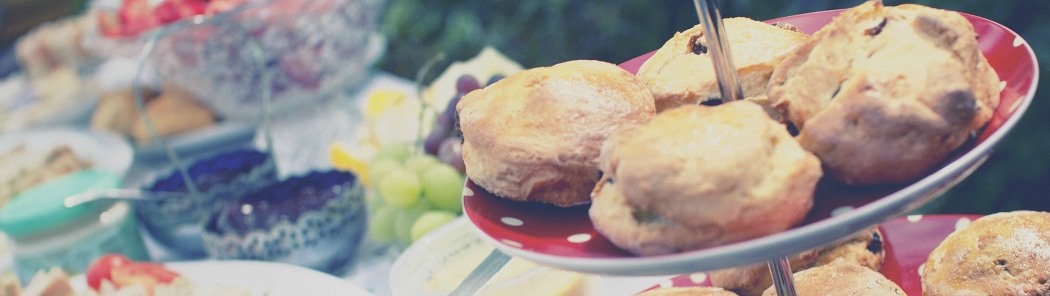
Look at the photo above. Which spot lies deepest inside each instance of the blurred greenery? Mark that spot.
(545, 32)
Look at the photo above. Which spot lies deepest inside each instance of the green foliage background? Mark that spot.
(545, 32)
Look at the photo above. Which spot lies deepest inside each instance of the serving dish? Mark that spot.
(565, 237)
(261, 278)
(315, 220)
(218, 177)
(311, 49)
(224, 133)
(106, 151)
(908, 242)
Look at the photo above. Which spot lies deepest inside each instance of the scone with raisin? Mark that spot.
(681, 72)
(999, 254)
(535, 135)
(842, 278)
(885, 94)
(688, 291)
(864, 249)
(696, 176)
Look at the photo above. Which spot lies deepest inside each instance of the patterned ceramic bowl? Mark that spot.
(315, 220)
(175, 222)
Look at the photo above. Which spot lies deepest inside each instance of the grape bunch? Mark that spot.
(417, 193)
(445, 140)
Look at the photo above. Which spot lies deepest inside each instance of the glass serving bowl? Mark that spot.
(315, 220)
(175, 222)
(311, 48)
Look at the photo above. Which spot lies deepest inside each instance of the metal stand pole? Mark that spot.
(780, 270)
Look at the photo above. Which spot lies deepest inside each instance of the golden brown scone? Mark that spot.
(681, 71)
(884, 94)
(116, 111)
(865, 249)
(535, 135)
(697, 176)
(688, 291)
(999, 254)
(172, 112)
(842, 278)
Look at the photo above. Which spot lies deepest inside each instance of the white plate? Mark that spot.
(261, 278)
(107, 152)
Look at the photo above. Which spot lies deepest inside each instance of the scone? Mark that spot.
(688, 291)
(681, 72)
(535, 135)
(999, 254)
(173, 112)
(884, 94)
(697, 176)
(864, 249)
(842, 278)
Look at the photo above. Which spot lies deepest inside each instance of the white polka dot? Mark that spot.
(467, 192)
(841, 210)
(698, 278)
(962, 223)
(921, 266)
(511, 221)
(580, 238)
(666, 283)
(511, 243)
(1018, 41)
(914, 218)
(1002, 85)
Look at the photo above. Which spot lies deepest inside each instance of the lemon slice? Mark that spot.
(379, 101)
(344, 159)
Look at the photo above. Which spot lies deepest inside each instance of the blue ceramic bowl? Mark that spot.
(316, 220)
(175, 222)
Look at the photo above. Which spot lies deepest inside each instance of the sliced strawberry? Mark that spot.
(219, 6)
(166, 12)
(136, 17)
(109, 24)
(144, 274)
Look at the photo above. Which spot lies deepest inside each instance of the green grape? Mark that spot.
(420, 163)
(373, 202)
(429, 221)
(380, 168)
(404, 221)
(443, 187)
(398, 152)
(401, 188)
(381, 226)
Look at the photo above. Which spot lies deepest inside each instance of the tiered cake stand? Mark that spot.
(566, 239)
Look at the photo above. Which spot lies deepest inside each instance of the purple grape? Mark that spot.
(434, 140)
(451, 152)
(466, 84)
(494, 79)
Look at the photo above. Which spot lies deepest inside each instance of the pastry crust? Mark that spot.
(681, 71)
(535, 135)
(884, 94)
(688, 291)
(842, 278)
(696, 177)
(865, 249)
(999, 254)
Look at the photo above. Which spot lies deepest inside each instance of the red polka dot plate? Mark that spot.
(565, 237)
(908, 241)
